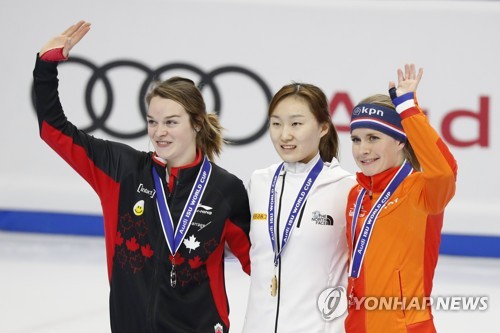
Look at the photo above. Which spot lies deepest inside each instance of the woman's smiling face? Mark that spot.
(294, 130)
(171, 132)
(374, 151)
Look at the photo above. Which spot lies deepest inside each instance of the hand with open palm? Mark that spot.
(57, 48)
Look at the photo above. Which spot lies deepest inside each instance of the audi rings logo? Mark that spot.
(206, 81)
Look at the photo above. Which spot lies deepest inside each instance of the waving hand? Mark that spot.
(57, 48)
(407, 81)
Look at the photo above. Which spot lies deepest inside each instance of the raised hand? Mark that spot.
(57, 48)
(407, 81)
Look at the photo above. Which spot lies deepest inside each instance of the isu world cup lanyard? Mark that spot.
(296, 208)
(359, 251)
(174, 239)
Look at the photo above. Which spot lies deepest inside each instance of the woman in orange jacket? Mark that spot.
(395, 213)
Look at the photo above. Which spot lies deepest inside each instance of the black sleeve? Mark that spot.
(98, 161)
(237, 232)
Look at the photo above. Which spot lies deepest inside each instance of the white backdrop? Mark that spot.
(350, 49)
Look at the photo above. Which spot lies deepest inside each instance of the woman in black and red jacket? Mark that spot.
(167, 213)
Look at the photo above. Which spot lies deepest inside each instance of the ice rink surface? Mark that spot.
(58, 284)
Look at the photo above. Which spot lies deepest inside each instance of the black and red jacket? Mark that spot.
(138, 258)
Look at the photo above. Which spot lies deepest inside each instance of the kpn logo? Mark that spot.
(332, 303)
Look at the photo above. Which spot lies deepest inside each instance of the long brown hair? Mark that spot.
(385, 100)
(318, 104)
(183, 91)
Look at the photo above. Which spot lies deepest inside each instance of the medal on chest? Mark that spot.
(360, 245)
(274, 286)
(174, 238)
(294, 213)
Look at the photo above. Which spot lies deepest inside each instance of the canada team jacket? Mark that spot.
(139, 261)
(402, 252)
(315, 257)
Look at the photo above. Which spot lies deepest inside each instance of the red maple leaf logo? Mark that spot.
(121, 256)
(210, 246)
(195, 262)
(185, 276)
(119, 238)
(141, 228)
(179, 260)
(146, 251)
(126, 221)
(200, 275)
(136, 261)
(132, 244)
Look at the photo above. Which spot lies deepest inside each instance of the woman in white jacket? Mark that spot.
(299, 250)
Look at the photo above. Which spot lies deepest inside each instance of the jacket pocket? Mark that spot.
(400, 301)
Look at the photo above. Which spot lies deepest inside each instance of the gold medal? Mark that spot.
(274, 286)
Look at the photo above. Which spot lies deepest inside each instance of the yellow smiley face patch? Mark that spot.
(139, 208)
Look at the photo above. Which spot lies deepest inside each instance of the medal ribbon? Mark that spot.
(174, 240)
(296, 208)
(358, 253)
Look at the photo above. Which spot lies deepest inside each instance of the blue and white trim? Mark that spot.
(404, 102)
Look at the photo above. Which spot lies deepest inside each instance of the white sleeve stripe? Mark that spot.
(405, 105)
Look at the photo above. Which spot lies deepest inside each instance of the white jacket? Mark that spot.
(315, 257)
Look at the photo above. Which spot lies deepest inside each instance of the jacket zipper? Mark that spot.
(301, 213)
(151, 312)
(277, 232)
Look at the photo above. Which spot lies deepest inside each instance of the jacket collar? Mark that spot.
(376, 183)
(298, 167)
(175, 171)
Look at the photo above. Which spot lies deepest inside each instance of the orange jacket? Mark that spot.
(403, 249)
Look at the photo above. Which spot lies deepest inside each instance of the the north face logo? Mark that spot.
(321, 219)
